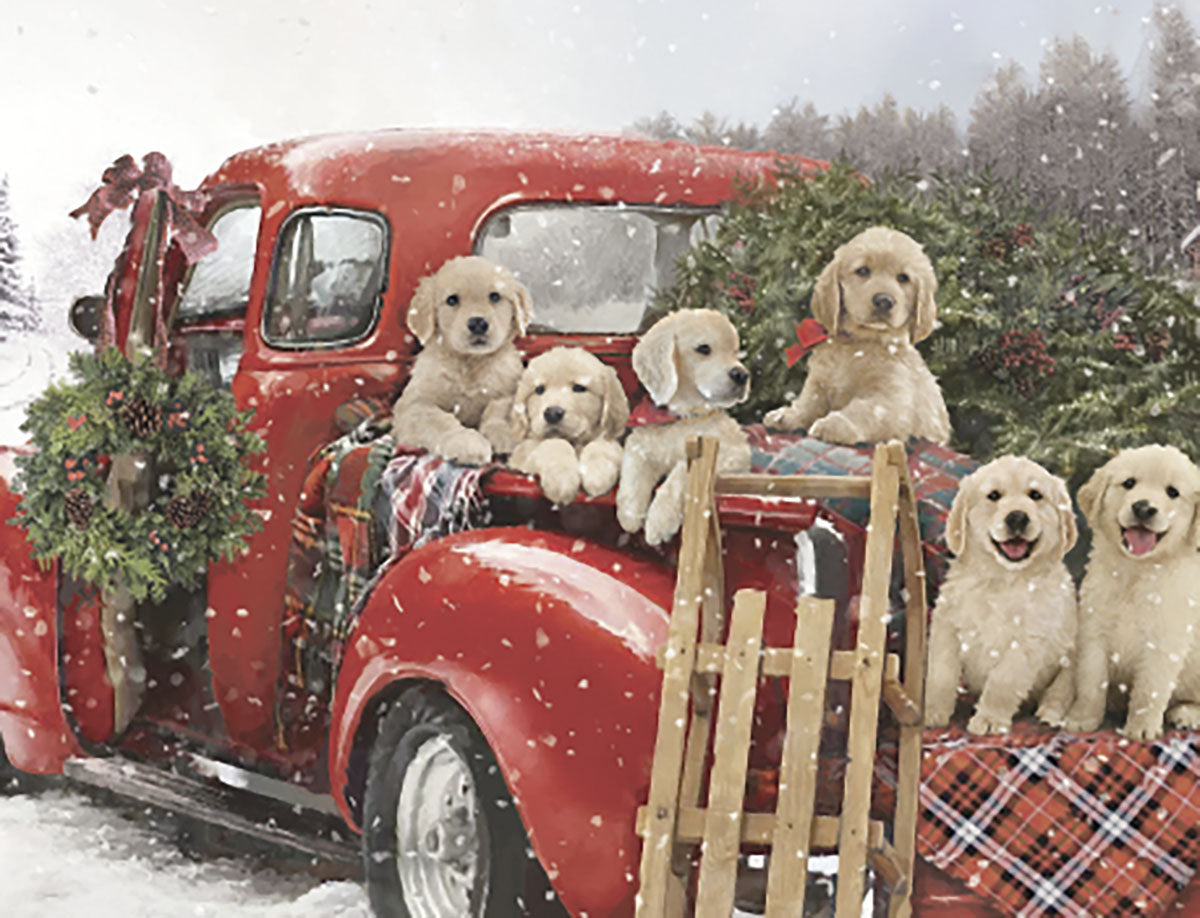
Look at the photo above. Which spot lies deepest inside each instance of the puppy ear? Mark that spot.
(956, 522)
(925, 314)
(422, 310)
(615, 413)
(522, 303)
(826, 303)
(1068, 532)
(518, 417)
(654, 360)
(1091, 495)
(1194, 533)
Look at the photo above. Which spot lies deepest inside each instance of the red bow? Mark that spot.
(116, 192)
(809, 333)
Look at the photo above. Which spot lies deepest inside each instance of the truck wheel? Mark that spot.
(441, 836)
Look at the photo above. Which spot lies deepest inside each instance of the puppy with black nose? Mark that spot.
(467, 316)
(1139, 603)
(568, 414)
(1005, 620)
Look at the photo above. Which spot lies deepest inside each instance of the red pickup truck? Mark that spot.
(497, 690)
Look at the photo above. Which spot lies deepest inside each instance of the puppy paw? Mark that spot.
(560, 484)
(1142, 727)
(630, 518)
(1185, 716)
(599, 467)
(467, 447)
(779, 419)
(984, 724)
(1082, 720)
(834, 428)
(661, 524)
(1051, 714)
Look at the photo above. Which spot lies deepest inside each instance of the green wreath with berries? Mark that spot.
(192, 447)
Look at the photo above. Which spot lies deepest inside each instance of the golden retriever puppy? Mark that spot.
(867, 382)
(1005, 619)
(1139, 603)
(688, 361)
(569, 414)
(459, 394)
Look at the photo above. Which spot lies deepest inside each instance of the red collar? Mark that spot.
(646, 413)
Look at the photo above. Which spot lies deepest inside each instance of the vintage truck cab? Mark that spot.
(509, 669)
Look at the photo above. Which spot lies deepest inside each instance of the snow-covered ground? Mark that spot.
(61, 854)
(27, 365)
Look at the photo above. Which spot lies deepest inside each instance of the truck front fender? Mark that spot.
(549, 643)
(35, 731)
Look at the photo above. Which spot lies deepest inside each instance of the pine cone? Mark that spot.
(79, 507)
(1157, 340)
(141, 418)
(185, 511)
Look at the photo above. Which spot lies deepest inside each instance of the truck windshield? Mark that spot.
(593, 268)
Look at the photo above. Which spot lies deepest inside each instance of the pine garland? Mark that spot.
(196, 441)
(1049, 345)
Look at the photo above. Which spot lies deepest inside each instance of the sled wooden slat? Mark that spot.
(791, 843)
(867, 684)
(803, 487)
(727, 787)
(777, 661)
(759, 828)
(695, 666)
(908, 766)
(658, 882)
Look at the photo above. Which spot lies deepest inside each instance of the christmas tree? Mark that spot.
(17, 310)
(1051, 342)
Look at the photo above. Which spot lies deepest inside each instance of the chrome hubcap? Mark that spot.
(441, 838)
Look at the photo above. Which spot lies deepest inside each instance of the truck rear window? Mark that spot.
(592, 268)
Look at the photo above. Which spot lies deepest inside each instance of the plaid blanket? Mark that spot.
(935, 470)
(363, 506)
(1063, 824)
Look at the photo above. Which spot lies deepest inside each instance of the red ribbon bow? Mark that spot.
(809, 333)
(123, 179)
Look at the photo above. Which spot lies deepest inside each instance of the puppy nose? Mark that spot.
(882, 302)
(477, 325)
(739, 375)
(553, 414)
(1016, 521)
(1143, 510)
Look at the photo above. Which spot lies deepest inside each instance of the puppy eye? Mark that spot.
(579, 387)
(864, 271)
(993, 495)
(540, 390)
(1035, 494)
(1128, 483)
(493, 297)
(1172, 491)
(703, 349)
(902, 277)
(452, 299)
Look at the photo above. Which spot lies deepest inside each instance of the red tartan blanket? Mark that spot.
(1046, 823)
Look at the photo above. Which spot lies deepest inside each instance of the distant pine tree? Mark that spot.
(18, 311)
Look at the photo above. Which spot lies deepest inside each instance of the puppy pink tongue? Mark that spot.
(1140, 540)
(1015, 548)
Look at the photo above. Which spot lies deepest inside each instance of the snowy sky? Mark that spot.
(85, 82)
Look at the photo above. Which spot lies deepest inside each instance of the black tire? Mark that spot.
(492, 872)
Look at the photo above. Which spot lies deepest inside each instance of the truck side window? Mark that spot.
(593, 268)
(212, 307)
(327, 279)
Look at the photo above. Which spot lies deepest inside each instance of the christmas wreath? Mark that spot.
(188, 442)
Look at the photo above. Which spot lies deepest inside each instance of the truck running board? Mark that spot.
(308, 831)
